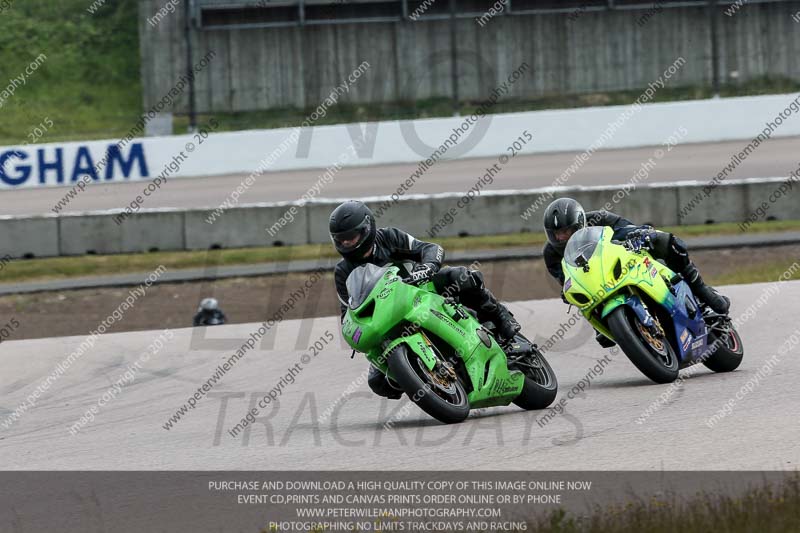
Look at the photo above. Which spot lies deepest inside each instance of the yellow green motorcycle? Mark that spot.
(645, 307)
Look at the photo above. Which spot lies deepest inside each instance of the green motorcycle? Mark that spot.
(436, 350)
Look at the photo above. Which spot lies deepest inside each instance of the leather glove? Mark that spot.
(642, 237)
(423, 272)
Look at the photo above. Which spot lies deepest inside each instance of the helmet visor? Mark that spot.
(562, 235)
(348, 240)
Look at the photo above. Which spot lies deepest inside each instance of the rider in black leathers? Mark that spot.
(565, 216)
(357, 239)
(209, 314)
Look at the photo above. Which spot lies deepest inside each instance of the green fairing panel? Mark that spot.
(418, 345)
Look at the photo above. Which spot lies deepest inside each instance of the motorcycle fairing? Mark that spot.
(609, 275)
(389, 304)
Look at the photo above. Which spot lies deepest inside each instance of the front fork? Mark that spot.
(634, 302)
(441, 372)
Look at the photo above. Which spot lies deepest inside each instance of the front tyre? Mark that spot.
(651, 354)
(729, 350)
(440, 394)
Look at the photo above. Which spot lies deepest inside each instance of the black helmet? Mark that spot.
(352, 227)
(562, 218)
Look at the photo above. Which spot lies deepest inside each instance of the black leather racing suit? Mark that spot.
(209, 318)
(665, 246)
(391, 245)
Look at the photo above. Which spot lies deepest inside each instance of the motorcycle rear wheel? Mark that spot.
(729, 353)
(540, 387)
(442, 397)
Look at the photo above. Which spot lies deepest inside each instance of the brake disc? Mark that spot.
(655, 341)
(443, 377)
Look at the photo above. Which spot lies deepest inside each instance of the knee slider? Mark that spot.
(475, 280)
(678, 246)
(446, 280)
(670, 249)
(465, 279)
(662, 243)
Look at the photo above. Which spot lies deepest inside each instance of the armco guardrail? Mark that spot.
(495, 212)
(393, 141)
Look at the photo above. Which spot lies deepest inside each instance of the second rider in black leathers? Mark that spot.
(565, 216)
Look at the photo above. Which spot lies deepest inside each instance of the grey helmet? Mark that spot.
(208, 305)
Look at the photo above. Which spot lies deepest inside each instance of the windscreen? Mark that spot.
(583, 244)
(361, 281)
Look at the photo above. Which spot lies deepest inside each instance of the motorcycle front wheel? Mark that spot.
(439, 394)
(652, 355)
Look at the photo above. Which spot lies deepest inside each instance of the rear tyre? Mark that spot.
(654, 357)
(729, 352)
(441, 396)
(540, 387)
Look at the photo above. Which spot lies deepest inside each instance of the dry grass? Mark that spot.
(769, 509)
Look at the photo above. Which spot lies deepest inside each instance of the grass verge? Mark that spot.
(768, 509)
(763, 271)
(98, 265)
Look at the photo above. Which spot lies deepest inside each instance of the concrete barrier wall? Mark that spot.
(29, 236)
(61, 164)
(244, 227)
(98, 234)
(571, 52)
(425, 216)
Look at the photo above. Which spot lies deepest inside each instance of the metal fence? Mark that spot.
(240, 14)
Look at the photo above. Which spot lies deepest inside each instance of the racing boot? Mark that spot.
(381, 385)
(604, 341)
(506, 326)
(717, 302)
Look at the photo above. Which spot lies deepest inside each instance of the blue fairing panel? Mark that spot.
(690, 328)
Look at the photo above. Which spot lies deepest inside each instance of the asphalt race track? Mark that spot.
(609, 167)
(599, 431)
